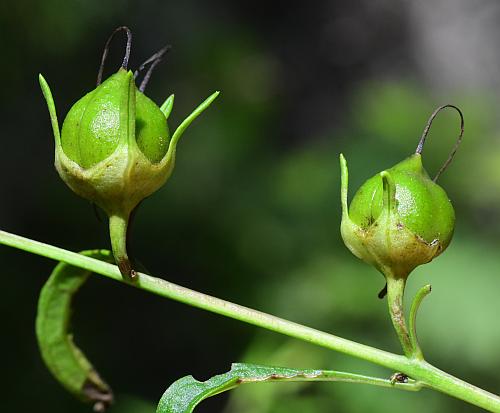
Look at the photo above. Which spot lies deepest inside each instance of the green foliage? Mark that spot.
(63, 358)
(186, 393)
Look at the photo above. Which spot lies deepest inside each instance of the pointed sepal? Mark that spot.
(167, 106)
(47, 94)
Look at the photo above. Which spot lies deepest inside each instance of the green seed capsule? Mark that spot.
(115, 148)
(399, 218)
(92, 129)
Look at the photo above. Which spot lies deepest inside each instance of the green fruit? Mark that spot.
(115, 149)
(398, 219)
(91, 130)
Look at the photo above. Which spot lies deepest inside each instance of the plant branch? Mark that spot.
(418, 370)
(206, 302)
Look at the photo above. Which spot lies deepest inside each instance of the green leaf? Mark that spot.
(61, 355)
(186, 393)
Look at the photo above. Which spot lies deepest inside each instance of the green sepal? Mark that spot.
(167, 106)
(168, 162)
(170, 156)
(47, 94)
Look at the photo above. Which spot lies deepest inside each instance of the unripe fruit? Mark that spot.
(91, 131)
(115, 147)
(399, 218)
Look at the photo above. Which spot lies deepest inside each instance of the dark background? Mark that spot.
(252, 211)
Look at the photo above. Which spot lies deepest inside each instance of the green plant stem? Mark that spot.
(395, 293)
(206, 302)
(118, 226)
(419, 370)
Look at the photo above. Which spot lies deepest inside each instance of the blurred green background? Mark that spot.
(252, 211)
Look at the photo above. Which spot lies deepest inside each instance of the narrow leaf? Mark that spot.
(61, 355)
(186, 393)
